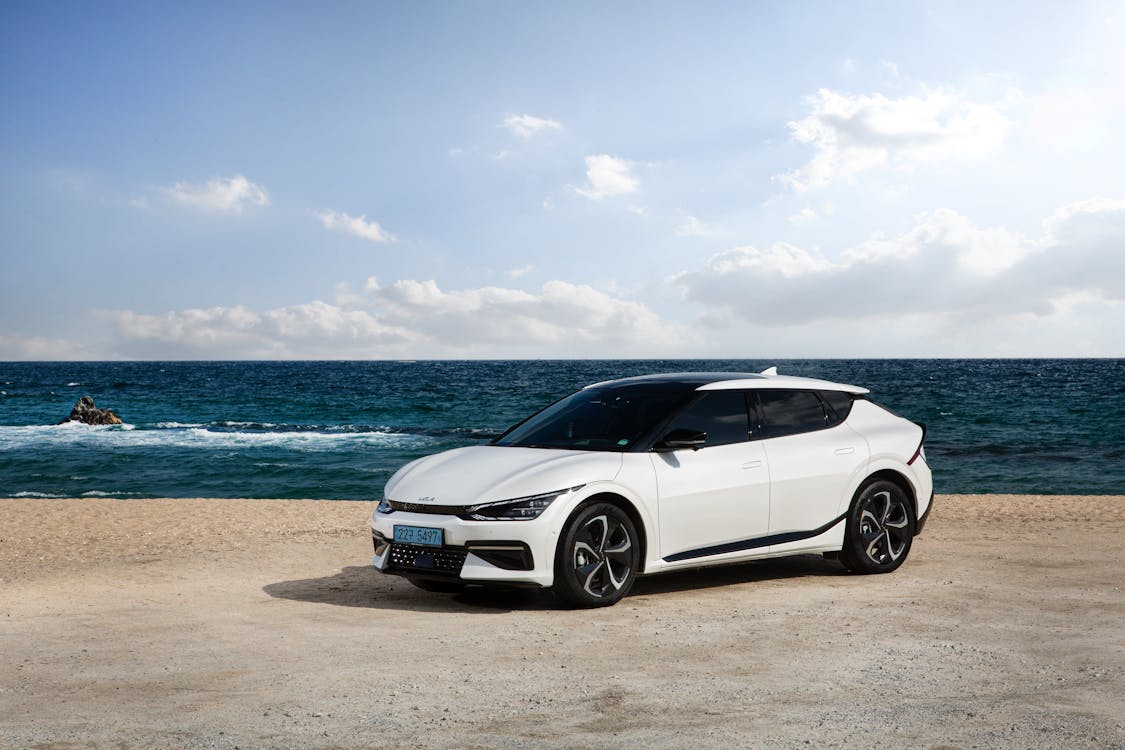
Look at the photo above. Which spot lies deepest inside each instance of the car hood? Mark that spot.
(485, 473)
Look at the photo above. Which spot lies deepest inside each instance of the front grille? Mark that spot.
(438, 510)
(415, 558)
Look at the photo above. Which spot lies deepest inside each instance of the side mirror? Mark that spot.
(678, 439)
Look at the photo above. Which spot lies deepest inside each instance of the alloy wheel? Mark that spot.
(884, 527)
(602, 555)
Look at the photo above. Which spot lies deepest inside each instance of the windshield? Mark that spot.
(598, 419)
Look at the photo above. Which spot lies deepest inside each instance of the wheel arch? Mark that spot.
(627, 507)
(896, 478)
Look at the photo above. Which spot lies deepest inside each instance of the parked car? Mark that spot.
(659, 473)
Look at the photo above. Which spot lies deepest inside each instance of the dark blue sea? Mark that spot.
(338, 430)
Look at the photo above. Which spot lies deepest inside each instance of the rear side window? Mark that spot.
(721, 414)
(791, 412)
(839, 406)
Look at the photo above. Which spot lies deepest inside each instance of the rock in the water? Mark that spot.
(85, 412)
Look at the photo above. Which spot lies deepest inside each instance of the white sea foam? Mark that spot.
(127, 436)
(73, 385)
(28, 493)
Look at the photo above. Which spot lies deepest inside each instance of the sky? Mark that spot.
(369, 180)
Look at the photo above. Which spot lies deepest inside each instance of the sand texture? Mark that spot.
(259, 624)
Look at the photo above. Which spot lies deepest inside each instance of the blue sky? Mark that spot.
(364, 180)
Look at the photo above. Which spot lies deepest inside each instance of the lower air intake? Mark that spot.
(418, 559)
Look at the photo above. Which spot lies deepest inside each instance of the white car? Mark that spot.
(659, 473)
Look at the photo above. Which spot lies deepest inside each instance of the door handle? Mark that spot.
(751, 464)
(844, 451)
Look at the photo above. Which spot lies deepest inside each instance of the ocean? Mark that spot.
(338, 430)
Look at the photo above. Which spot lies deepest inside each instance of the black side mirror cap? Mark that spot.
(679, 439)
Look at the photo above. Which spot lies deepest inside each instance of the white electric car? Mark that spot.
(659, 473)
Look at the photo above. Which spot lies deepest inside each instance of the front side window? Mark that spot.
(790, 412)
(720, 414)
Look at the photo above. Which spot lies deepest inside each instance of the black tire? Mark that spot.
(597, 558)
(880, 528)
(438, 587)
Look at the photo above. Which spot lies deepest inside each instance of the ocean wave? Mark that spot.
(75, 434)
(232, 426)
(29, 493)
(73, 385)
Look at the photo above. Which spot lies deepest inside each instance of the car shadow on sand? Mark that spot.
(362, 586)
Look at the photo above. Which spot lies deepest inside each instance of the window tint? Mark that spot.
(605, 419)
(721, 414)
(840, 405)
(791, 412)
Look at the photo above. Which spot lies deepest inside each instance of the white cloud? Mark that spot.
(851, 134)
(314, 329)
(945, 267)
(805, 214)
(407, 318)
(220, 194)
(562, 320)
(606, 176)
(693, 227)
(516, 273)
(527, 126)
(338, 221)
(34, 348)
(1070, 222)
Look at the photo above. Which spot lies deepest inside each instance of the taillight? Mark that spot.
(921, 443)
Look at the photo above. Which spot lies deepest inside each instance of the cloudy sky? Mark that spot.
(510, 179)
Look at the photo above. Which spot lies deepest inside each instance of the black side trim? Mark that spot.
(755, 543)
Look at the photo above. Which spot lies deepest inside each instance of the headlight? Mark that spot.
(384, 507)
(517, 509)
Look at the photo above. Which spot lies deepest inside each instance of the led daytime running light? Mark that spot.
(517, 509)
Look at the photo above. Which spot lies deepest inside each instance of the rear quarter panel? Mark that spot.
(892, 441)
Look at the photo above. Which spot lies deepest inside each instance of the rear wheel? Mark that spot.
(880, 529)
(596, 562)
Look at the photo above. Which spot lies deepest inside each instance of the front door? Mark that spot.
(714, 500)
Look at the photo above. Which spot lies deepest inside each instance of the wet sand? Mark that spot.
(256, 623)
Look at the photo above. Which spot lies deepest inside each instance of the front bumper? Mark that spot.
(496, 552)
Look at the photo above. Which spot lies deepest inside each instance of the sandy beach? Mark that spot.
(259, 624)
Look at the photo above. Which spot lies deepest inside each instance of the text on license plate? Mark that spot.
(418, 535)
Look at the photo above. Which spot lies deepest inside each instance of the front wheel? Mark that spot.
(880, 529)
(596, 562)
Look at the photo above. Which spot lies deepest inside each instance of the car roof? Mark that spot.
(719, 381)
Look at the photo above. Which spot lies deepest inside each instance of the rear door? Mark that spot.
(719, 494)
(813, 458)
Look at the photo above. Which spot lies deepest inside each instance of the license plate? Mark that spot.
(418, 535)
